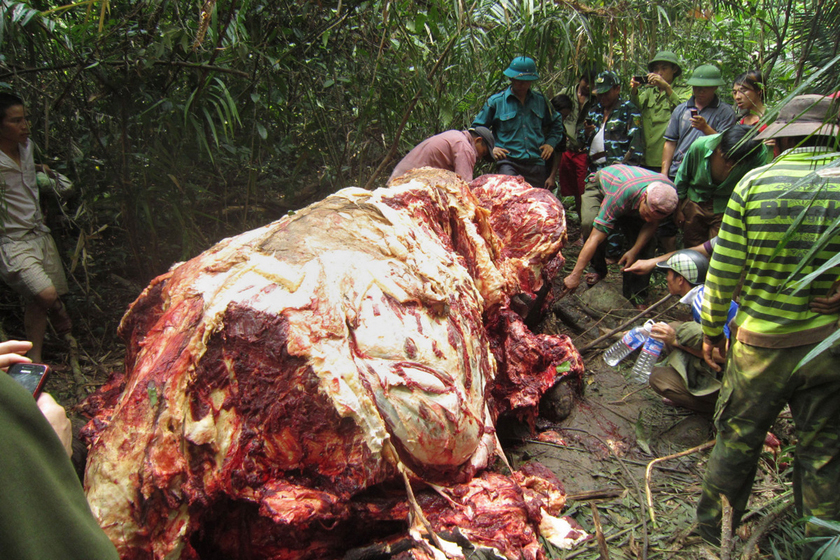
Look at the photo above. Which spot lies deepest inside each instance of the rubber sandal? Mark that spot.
(592, 278)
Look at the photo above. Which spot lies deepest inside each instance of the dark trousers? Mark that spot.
(534, 173)
(634, 286)
(701, 223)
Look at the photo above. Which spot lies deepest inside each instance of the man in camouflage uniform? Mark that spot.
(776, 327)
(612, 131)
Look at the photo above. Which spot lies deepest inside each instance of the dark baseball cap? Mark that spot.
(605, 81)
(487, 135)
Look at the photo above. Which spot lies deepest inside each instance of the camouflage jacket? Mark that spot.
(623, 138)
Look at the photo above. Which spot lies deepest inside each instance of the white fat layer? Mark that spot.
(559, 532)
(388, 319)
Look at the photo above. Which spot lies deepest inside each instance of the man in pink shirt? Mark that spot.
(453, 150)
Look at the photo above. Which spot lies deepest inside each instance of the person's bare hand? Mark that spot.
(550, 183)
(627, 259)
(656, 80)
(546, 151)
(57, 417)
(699, 122)
(709, 352)
(641, 266)
(828, 305)
(12, 352)
(570, 284)
(664, 332)
(499, 153)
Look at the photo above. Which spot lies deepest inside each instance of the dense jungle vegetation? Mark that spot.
(185, 122)
(181, 123)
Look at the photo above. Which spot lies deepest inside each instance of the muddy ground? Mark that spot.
(618, 426)
(599, 452)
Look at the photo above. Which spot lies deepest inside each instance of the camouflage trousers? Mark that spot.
(757, 384)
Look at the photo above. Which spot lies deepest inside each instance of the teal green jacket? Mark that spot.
(521, 128)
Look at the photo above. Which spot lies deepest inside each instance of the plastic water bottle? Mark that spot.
(631, 340)
(646, 360)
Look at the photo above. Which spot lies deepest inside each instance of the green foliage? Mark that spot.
(830, 549)
(184, 126)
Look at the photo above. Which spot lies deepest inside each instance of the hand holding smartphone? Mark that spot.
(641, 79)
(31, 376)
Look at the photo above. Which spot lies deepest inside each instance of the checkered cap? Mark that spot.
(689, 264)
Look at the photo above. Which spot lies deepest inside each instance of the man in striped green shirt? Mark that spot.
(776, 326)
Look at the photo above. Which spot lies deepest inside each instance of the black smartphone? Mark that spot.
(31, 376)
(641, 79)
(694, 112)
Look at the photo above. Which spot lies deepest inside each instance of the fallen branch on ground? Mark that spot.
(629, 322)
(650, 466)
(726, 529)
(599, 532)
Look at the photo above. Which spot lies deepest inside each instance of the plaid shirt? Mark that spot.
(623, 187)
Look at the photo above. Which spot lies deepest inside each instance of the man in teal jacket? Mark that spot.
(526, 128)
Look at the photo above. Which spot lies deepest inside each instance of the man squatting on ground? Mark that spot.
(631, 198)
(776, 326)
(453, 150)
(519, 119)
(683, 377)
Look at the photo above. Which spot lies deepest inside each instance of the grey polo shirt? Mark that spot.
(720, 116)
(21, 210)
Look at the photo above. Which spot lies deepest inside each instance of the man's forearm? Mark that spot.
(668, 156)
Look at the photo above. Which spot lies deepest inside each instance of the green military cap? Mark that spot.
(522, 68)
(666, 56)
(605, 81)
(705, 76)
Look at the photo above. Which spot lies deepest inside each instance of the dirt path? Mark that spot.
(617, 427)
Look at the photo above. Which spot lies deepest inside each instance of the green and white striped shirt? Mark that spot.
(762, 208)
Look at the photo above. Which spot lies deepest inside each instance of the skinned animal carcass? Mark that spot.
(281, 387)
